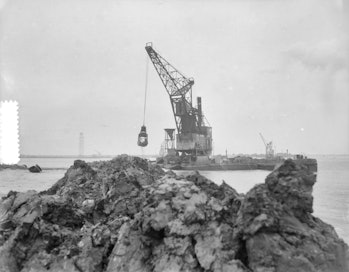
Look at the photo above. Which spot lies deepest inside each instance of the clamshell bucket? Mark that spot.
(143, 137)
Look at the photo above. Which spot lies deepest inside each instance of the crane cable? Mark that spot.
(146, 88)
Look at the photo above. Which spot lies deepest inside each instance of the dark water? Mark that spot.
(331, 192)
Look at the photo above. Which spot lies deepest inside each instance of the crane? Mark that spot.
(193, 137)
(269, 151)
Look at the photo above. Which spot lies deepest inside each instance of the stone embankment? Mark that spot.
(12, 167)
(128, 215)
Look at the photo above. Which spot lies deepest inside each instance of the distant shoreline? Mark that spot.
(152, 156)
(77, 156)
(67, 156)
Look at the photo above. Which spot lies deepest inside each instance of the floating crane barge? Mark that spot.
(194, 136)
(193, 141)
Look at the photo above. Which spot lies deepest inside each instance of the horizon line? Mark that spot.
(156, 155)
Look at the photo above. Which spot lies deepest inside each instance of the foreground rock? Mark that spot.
(127, 215)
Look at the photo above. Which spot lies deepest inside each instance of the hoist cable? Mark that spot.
(146, 88)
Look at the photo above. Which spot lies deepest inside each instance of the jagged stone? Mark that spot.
(128, 215)
(279, 231)
(128, 253)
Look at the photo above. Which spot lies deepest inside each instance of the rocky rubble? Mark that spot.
(128, 215)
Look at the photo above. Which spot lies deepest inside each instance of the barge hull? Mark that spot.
(257, 165)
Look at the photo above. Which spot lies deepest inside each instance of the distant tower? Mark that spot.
(81, 144)
(169, 141)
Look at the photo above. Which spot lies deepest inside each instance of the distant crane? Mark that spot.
(193, 137)
(269, 150)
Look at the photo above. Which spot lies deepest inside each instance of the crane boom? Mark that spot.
(193, 135)
(264, 141)
(174, 81)
(269, 151)
(179, 89)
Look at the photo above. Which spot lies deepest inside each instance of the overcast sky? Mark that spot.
(279, 67)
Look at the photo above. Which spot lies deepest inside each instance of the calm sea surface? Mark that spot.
(331, 192)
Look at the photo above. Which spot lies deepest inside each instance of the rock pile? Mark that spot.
(128, 215)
